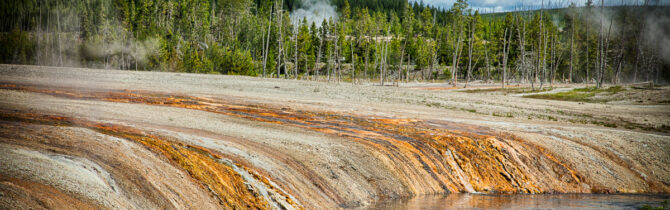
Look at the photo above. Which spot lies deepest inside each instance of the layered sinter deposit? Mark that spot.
(86, 138)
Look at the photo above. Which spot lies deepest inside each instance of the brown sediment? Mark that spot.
(201, 164)
(432, 159)
(653, 184)
(17, 194)
(306, 157)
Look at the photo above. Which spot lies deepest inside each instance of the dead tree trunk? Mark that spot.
(409, 64)
(434, 60)
(367, 57)
(377, 56)
(539, 48)
(601, 49)
(387, 73)
(572, 50)
(637, 58)
(266, 48)
(470, 42)
(39, 36)
(402, 57)
(604, 55)
(488, 65)
(587, 48)
(553, 62)
(318, 59)
(280, 47)
(328, 66)
(506, 44)
(382, 63)
(522, 46)
(353, 63)
(544, 59)
(295, 52)
(456, 56)
(58, 30)
(620, 58)
(337, 56)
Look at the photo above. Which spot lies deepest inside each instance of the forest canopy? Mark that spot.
(360, 40)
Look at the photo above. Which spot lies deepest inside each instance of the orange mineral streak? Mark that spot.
(201, 164)
(426, 157)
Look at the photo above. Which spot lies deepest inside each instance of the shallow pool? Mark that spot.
(545, 201)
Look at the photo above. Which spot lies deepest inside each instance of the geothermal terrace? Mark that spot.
(89, 138)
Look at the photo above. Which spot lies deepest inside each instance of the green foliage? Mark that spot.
(202, 36)
(579, 94)
(16, 47)
(664, 206)
(235, 62)
(194, 59)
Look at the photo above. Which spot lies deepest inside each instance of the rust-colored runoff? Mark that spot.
(441, 159)
(220, 179)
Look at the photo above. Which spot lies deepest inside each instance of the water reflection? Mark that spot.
(560, 201)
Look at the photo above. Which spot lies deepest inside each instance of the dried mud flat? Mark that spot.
(88, 138)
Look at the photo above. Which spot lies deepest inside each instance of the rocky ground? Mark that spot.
(125, 139)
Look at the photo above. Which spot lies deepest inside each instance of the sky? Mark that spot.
(510, 5)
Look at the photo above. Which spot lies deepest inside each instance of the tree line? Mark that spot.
(385, 42)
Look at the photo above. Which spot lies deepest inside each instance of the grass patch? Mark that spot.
(579, 94)
(606, 124)
(664, 206)
(483, 90)
(508, 115)
(507, 90)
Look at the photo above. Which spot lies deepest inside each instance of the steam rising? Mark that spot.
(315, 11)
(657, 33)
(138, 51)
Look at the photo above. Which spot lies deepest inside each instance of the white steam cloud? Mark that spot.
(657, 34)
(315, 11)
(132, 50)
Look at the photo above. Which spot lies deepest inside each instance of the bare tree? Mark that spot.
(521, 32)
(295, 51)
(605, 47)
(266, 47)
(58, 30)
(338, 67)
(572, 44)
(402, 57)
(318, 57)
(384, 54)
(587, 24)
(280, 39)
(539, 51)
(456, 55)
(506, 44)
(409, 65)
(544, 58)
(640, 51)
(328, 59)
(620, 58)
(554, 61)
(434, 60)
(470, 42)
(488, 65)
(353, 63)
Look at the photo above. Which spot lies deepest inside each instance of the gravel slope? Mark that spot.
(314, 168)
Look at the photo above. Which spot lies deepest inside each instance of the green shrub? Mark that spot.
(16, 47)
(233, 62)
(578, 94)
